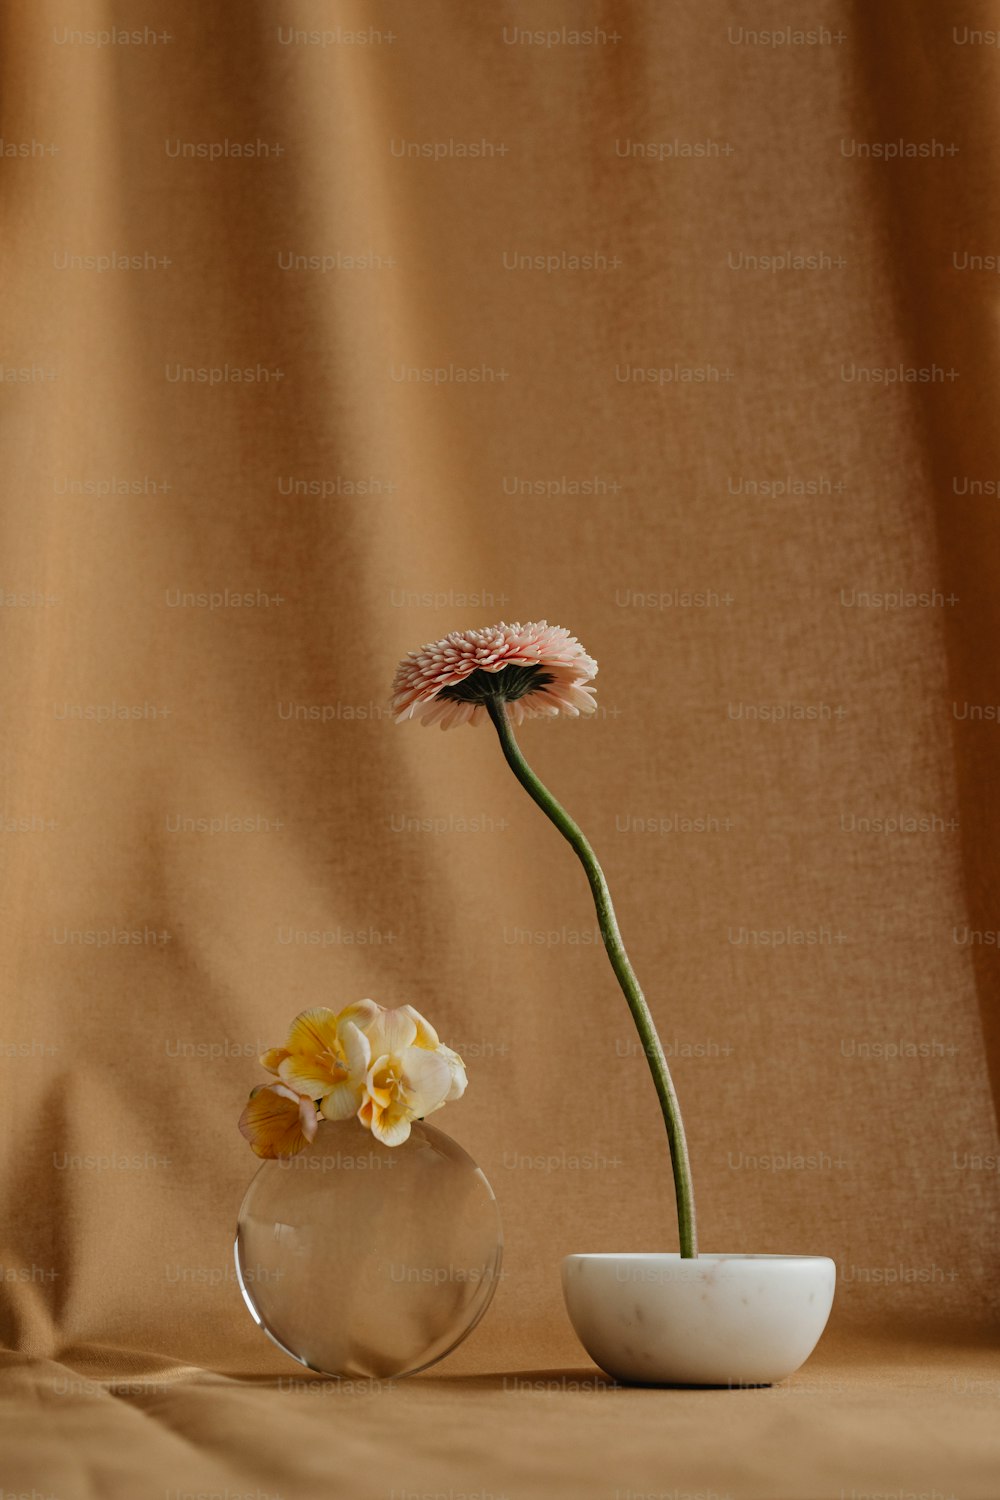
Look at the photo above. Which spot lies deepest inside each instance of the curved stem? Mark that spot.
(624, 972)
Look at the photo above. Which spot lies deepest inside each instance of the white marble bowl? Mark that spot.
(724, 1320)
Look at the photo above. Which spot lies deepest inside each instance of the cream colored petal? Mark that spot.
(341, 1102)
(391, 1126)
(459, 1078)
(426, 1079)
(426, 1035)
(357, 1049)
(362, 1013)
(391, 1032)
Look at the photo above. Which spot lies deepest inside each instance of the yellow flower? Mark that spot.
(312, 1060)
(277, 1121)
(387, 1067)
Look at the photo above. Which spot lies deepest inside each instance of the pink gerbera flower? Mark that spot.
(506, 673)
(536, 669)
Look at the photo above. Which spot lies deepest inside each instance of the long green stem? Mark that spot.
(624, 972)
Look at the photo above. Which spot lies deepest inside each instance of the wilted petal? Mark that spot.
(277, 1121)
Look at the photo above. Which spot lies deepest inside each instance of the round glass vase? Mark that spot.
(368, 1261)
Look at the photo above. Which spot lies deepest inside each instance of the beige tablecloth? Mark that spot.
(864, 1420)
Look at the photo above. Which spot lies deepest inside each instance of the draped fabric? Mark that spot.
(329, 329)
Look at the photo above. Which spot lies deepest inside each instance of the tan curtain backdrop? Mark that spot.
(331, 328)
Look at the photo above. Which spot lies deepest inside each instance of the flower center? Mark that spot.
(507, 685)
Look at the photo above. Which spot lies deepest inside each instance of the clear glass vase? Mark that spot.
(368, 1261)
